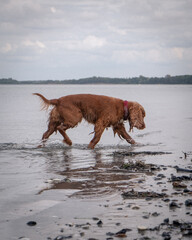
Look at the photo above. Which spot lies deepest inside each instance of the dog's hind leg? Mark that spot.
(61, 128)
(99, 129)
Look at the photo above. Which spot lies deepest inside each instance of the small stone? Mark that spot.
(122, 233)
(146, 216)
(135, 207)
(176, 223)
(141, 228)
(188, 233)
(99, 223)
(166, 235)
(179, 185)
(166, 220)
(31, 223)
(62, 237)
(119, 208)
(188, 203)
(155, 214)
(86, 227)
(173, 205)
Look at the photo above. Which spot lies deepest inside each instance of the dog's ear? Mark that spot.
(133, 112)
(130, 117)
(136, 116)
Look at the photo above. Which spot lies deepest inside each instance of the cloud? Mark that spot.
(35, 44)
(53, 10)
(6, 48)
(96, 37)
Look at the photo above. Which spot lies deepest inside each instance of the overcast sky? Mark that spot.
(72, 39)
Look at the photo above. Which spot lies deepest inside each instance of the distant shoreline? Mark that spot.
(183, 79)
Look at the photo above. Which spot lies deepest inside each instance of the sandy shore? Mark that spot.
(157, 204)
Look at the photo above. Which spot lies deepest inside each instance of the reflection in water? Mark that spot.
(92, 172)
(88, 172)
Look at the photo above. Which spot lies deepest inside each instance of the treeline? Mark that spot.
(184, 79)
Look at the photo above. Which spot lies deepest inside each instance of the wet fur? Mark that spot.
(102, 111)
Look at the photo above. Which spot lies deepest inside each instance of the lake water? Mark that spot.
(25, 169)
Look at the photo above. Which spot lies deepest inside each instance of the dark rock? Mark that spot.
(122, 232)
(161, 175)
(99, 223)
(166, 235)
(188, 203)
(176, 223)
(186, 190)
(155, 214)
(31, 223)
(173, 205)
(180, 178)
(166, 220)
(183, 169)
(62, 237)
(188, 233)
(119, 208)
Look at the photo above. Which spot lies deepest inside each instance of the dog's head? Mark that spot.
(136, 116)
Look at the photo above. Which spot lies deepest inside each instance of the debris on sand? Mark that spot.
(188, 203)
(132, 154)
(180, 178)
(122, 233)
(183, 169)
(139, 166)
(142, 194)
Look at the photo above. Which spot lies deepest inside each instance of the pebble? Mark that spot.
(188, 203)
(155, 214)
(141, 228)
(99, 223)
(166, 220)
(31, 223)
(135, 207)
(166, 235)
(122, 232)
(62, 237)
(174, 205)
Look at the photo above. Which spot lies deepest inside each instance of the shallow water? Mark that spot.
(26, 170)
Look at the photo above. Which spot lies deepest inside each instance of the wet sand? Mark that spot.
(128, 197)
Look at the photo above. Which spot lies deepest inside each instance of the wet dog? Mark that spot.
(102, 111)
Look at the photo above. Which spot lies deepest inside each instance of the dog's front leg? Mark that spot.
(121, 131)
(51, 129)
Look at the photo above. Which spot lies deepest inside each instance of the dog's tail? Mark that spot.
(45, 102)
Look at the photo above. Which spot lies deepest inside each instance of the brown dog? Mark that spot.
(102, 111)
